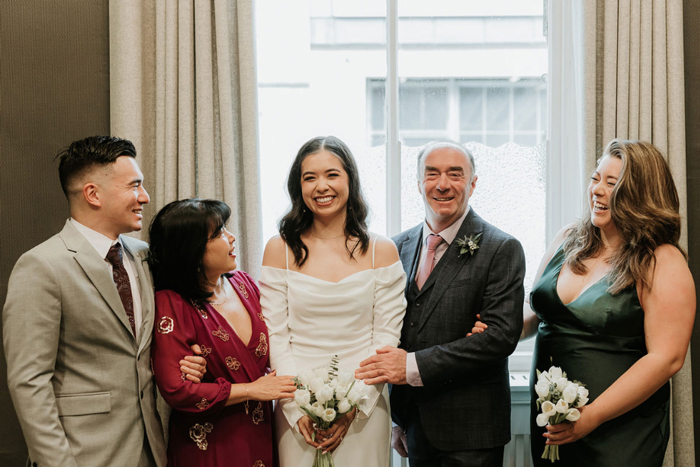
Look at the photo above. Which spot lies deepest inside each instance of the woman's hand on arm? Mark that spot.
(266, 388)
(669, 313)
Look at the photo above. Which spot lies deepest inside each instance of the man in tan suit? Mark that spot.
(78, 321)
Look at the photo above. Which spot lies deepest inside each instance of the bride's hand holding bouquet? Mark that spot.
(329, 399)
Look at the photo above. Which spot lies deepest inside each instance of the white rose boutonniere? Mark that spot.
(468, 245)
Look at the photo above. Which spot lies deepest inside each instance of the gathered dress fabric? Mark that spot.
(311, 320)
(595, 339)
(203, 430)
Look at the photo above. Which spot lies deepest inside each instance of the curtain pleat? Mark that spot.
(179, 69)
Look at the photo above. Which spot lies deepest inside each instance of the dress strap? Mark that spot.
(374, 243)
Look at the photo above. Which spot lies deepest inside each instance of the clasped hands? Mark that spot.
(329, 439)
(194, 366)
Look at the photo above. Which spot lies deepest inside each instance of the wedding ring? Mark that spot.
(340, 439)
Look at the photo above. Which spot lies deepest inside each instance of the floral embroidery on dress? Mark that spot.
(232, 363)
(261, 349)
(198, 433)
(205, 350)
(241, 287)
(203, 404)
(258, 414)
(221, 334)
(166, 325)
(202, 311)
(258, 464)
(260, 315)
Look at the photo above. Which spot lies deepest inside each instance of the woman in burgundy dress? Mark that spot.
(227, 419)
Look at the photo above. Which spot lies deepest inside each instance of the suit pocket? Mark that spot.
(83, 404)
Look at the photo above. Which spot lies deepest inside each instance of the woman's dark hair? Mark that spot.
(299, 218)
(178, 240)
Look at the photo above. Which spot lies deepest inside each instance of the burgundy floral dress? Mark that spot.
(203, 431)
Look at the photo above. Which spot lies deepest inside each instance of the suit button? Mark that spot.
(417, 304)
(141, 394)
(413, 323)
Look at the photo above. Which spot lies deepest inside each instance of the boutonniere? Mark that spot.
(468, 245)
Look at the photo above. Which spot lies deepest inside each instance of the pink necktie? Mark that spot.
(429, 262)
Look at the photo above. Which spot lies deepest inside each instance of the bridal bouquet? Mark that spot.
(325, 394)
(558, 400)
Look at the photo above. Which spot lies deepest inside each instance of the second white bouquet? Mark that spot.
(325, 394)
(559, 400)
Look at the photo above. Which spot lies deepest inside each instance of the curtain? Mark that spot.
(617, 72)
(183, 88)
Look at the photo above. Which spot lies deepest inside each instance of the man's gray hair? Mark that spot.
(445, 144)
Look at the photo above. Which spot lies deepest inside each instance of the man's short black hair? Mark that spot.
(84, 154)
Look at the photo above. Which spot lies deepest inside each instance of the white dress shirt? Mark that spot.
(448, 236)
(102, 244)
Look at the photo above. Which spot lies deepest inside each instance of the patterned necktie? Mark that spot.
(429, 262)
(121, 280)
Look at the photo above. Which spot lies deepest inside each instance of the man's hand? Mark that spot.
(387, 366)
(398, 441)
(193, 366)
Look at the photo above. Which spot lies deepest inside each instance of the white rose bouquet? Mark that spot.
(559, 400)
(325, 394)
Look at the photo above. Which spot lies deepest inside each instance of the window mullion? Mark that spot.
(393, 146)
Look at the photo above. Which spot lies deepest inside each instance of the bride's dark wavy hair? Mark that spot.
(299, 218)
(644, 206)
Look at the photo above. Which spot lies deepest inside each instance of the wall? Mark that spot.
(54, 88)
(691, 23)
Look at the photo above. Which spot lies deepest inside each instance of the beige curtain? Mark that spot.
(630, 72)
(183, 89)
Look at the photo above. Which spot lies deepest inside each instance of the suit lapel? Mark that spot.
(145, 291)
(410, 252)
(449, 265)
(96, 270)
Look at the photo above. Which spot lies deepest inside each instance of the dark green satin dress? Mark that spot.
(595, 339)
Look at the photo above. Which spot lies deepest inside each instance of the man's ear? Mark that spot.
(91, 194)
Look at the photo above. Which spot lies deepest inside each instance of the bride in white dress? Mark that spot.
(329, 287)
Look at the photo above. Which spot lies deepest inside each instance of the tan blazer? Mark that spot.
(81, 384)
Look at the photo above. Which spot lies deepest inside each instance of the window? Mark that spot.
(473, 72)
(491, 112)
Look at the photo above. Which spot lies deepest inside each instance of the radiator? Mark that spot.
(517, 452)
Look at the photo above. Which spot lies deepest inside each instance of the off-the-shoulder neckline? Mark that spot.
(332, 282)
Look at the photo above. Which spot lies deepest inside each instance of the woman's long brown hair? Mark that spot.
(644, 206)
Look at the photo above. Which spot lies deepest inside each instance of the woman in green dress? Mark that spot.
(614, 308)
(614, 305)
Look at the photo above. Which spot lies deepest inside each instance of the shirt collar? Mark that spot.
(99, 242)
(448, 234)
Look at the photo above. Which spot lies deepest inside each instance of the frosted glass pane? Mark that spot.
(377, 104)
(410, 108)
(497, 108)
(471, 104)
(494, 140)
(435, 108)
(524, 109)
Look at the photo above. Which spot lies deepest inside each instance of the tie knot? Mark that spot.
(433, 241)
(114, 255)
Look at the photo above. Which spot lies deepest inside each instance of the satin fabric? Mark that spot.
(595, 339)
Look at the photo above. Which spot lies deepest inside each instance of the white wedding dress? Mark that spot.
(310, 320)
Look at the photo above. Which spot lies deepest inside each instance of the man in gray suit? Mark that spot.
(78, 322)
(450, 396)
